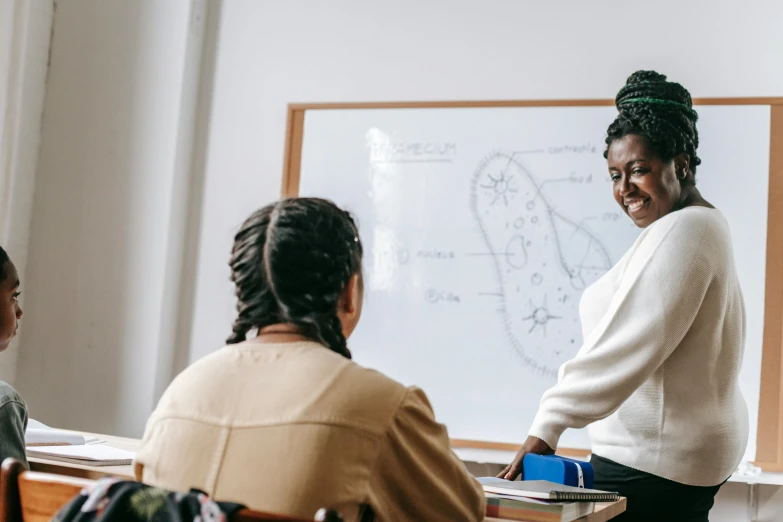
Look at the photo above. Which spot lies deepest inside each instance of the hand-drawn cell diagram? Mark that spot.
(544, 257)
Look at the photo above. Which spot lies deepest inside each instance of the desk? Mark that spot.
(603, 512)
(90, 472)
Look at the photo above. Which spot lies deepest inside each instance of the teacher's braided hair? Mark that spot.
(290, 263)
(661, 112)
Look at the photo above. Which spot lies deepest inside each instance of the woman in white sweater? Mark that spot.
(656, 378)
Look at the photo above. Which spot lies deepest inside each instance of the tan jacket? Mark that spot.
(291, 428)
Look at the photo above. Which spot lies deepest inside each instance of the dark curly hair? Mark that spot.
(3, 260)
(290, 263)
(659, 111)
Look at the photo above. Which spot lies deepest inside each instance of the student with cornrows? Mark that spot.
(281, 419)
(656, 379)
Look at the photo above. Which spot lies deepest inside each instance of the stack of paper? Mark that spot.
(87, 455)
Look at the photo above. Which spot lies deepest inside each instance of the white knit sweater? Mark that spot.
(657, 376)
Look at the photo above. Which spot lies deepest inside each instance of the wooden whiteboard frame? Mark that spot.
(769, 439)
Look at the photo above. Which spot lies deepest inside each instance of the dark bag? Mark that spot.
(114, 500)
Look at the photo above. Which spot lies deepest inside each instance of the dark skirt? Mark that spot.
(652, 498)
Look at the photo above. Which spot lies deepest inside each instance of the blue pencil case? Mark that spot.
(561, 470)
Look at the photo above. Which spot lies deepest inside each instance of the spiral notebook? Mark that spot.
(545, 490)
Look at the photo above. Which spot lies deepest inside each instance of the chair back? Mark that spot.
(28, 496)
(34, 497)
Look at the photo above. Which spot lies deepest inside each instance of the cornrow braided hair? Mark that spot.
(661, 112)
(290, 263)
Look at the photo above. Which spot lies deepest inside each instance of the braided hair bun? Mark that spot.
(661, 112)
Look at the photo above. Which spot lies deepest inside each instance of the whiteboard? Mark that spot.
(482, 227)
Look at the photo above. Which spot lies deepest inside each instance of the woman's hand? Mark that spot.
(531, 445)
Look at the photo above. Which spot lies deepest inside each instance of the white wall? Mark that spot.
(273, 53)
(25, 29)
(108, 220)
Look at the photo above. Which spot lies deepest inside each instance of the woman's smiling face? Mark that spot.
(645, 186)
